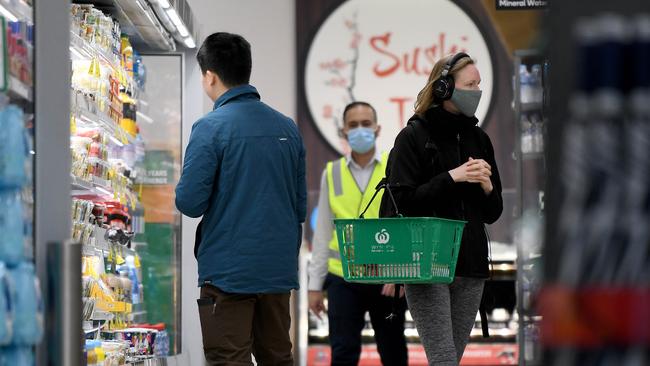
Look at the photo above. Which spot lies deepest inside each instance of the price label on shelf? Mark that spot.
(124, 138)
(73, 125)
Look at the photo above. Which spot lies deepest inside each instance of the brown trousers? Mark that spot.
(236, 325)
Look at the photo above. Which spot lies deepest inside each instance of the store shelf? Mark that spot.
(78, 184)
(19, 8)
(17, 90)
(89, 328)
(99, 161)
(88, 50)
(89, 117)
(102, 183)
(102, 244)
(82, 49)
(531, 107)
(483, 354)
(113, 306)
(532, 319)
(99, 187)
(532, 156)
(503, 271)
(527, 163)
(102, 315)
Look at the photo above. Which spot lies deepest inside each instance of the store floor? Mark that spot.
(475, 354)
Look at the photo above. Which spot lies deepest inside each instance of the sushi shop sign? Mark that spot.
(382, 52)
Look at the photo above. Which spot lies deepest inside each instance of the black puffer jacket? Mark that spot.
(424, 152)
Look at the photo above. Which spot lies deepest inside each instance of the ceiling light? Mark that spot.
(164, 4)
(189, 42)
(176, 19)
(182, 30)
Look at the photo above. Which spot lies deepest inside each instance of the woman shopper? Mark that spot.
(442, 165)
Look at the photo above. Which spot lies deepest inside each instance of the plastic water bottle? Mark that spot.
(132, 272)
(12, 249)
(13, 148)
(6, 313)
(17, 356)
(28, 309)
(536, 84)
(525, 86)
(526, 135)
(537, 133)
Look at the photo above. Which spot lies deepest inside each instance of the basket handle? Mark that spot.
(383, 184)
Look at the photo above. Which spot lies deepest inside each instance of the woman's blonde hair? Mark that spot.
(425, 96)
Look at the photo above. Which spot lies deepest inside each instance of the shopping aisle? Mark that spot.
(125, 143)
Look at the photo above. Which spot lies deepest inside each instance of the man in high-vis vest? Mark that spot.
(347, 185)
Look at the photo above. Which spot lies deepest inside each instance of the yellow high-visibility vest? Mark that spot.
(348, 201)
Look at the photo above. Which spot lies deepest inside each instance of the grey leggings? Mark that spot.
(444, 316)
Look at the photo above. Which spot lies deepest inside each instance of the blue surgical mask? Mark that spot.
(361, 139)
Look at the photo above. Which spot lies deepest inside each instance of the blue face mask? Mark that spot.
(361, 139)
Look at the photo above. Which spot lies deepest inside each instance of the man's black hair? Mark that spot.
(356, 104)
(227, 55)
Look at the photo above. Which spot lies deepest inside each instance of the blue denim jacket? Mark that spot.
(244, 172)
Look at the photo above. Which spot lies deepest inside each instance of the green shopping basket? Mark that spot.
(399, 249)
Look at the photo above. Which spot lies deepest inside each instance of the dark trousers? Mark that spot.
(347, 306)
(236, 325)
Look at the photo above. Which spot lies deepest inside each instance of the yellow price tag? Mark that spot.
(73, 125)
(98, 68)
(123, 137)
(91, 68)
(94, 69)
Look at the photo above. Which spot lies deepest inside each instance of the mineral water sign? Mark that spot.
(381, 52)
(521, 4)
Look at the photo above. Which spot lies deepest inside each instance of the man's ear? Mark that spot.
(378, 130)
(212, 78)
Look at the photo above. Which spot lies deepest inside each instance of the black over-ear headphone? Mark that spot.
(443, 87)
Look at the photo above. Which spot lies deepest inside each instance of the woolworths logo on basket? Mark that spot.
(382, 237)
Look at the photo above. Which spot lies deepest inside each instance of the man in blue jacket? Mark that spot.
(244, 172)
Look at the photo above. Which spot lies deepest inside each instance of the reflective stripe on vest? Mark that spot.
(348, 201)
